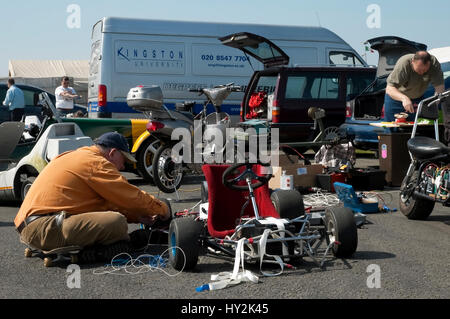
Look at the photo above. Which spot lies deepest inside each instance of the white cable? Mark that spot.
(135, 266)
(320, 199)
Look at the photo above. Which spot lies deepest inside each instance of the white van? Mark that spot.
(180, 55)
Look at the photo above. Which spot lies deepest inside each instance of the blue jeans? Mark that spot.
(392, 107)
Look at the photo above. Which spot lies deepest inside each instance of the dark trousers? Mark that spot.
(17, 114)
(392, 107)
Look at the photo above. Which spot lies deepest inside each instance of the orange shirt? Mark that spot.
(84, 181)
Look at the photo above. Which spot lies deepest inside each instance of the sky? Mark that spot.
(34, 30)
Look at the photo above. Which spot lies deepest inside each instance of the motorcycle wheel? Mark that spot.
(167, 174)
(411, 207)
(145, 158)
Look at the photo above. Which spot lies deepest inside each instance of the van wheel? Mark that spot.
(145, 158)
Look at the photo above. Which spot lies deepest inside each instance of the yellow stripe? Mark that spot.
(5, 188)
(138, 126)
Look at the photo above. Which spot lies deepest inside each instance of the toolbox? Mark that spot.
(367, 179)
(326, 181)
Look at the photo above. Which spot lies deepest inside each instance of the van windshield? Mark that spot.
(95, 57)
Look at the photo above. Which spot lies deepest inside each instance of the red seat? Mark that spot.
(225, 204)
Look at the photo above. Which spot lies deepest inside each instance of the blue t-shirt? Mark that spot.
(14, 98)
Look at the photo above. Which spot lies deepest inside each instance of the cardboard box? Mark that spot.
(304, 175)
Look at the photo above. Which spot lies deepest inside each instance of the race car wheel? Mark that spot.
(26, 185)
(204, 192)
(341, 228)
(184, 247)
(288, 203)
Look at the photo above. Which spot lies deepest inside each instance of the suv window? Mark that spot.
(344, 58)
(313, 86)
(356, 83)
(266, 84)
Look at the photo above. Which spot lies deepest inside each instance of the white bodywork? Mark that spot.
(57, 139)
(178, 55)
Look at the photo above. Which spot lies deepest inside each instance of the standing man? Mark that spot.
(64, 98)
(408, 82)
(81, 199)
(15, 101)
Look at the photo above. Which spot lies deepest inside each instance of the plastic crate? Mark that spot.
(347, 195)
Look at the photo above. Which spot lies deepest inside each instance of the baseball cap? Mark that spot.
(118, 141)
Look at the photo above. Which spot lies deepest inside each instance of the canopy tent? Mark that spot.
(47, 74)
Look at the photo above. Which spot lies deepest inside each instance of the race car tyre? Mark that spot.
(144, 158)
(341, 228)
(167, 174)
(26, 185)
(288, 203)
(414, 208)
(204, 192)
(184, 247)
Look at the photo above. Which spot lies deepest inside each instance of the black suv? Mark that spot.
(32, 106)
(282, 95)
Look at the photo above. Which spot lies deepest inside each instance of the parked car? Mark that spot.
(368, 106)
(286, 93)
(32, 107)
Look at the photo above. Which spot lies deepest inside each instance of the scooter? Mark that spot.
(167, 171)
(427, 181)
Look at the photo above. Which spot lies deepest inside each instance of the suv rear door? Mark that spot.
(260, 48)
(390, 49)
(304, 89)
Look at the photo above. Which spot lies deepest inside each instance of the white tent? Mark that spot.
(47, 74)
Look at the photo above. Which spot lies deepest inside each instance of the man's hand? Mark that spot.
(148, 220)
(407, 105)
(167, 215)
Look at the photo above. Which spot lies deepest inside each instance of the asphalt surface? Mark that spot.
(412, 256)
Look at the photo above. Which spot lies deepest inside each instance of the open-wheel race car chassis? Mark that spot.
(238, 210)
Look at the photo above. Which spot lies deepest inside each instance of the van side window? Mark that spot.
(344, 58)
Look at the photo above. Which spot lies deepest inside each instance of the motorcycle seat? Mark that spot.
(423, 147)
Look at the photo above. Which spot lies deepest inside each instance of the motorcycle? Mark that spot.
(427, 180)
(168, 171)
